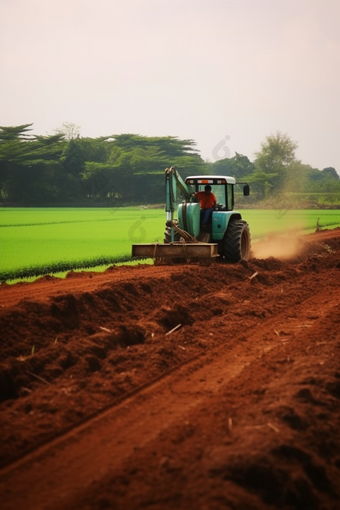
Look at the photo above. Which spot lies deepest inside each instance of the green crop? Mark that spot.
(41, 241)
(37, 241)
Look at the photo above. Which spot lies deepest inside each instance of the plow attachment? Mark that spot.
(176, 251)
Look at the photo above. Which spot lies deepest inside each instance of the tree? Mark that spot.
(274, 158)
(330, 173)
(238, 166)
(73, 165)
(138, 164)
(28, 164)
(10, 133)
(68, 130)
(11, 138)
(261, 182)
(96, 149)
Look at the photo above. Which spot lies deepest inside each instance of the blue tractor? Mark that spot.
(225, 234)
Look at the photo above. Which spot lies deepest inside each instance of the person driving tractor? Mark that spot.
(207, 202)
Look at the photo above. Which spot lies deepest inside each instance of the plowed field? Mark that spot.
(184, 387)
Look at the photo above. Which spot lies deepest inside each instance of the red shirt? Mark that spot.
(207, 201)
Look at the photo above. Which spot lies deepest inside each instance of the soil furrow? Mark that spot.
(180, 387)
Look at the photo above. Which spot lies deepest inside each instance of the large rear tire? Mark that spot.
(236, 244)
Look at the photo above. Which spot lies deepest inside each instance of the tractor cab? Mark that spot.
(222, 187)
(189, 214)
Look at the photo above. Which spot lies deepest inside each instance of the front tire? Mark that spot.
(236, 243)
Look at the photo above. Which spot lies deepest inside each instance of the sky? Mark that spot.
(224, 73)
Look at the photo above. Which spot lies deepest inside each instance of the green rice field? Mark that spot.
(37, 241)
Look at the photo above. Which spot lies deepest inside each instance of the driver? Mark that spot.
(207, 202)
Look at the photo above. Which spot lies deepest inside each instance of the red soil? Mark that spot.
(175, 386)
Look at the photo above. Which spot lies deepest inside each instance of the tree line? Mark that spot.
(66, 169)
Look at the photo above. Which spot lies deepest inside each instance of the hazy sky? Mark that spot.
(217, 71)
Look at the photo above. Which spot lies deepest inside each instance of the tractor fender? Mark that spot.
(220, 222)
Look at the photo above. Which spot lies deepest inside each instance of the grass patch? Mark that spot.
(40, 241)
(43, 241)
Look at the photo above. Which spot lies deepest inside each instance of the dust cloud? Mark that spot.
(285, 241)
(282, 247)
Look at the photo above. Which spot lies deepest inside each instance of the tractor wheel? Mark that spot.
(236, 244)
(167, 235)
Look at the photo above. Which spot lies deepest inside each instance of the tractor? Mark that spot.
(224, 235)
